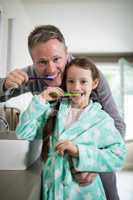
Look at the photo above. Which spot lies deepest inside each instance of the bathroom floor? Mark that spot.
(125, 185)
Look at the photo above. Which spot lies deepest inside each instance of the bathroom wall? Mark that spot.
(89, 26)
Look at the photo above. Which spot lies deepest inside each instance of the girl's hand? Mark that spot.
(67, 145)
(52, 93)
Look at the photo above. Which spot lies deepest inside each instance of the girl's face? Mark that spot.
(80, 81)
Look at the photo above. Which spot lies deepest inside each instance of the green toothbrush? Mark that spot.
(71, 94)
(66, 94)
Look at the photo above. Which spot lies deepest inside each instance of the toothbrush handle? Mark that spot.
(69, 94)
(39, 78)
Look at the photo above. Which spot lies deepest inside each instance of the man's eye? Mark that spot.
(56, 59)
(43, 62)
(84, 81)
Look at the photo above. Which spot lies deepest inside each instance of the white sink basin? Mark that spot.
(17, 154)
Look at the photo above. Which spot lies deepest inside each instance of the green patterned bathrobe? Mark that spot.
(101, 149)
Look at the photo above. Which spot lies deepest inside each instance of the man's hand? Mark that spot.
(15, 79)
(83, 178)
(68, 146)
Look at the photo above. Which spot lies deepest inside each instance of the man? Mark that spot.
(50, 55)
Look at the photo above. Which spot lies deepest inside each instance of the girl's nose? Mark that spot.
(76, 85)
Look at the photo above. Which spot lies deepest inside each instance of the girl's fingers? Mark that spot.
(67, 146)
(52, 93)
(61, 153)
(61, 147)
(60, 143)
(56, 92)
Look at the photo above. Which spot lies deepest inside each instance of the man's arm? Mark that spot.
(16, 77)
(7, 94)
(104, 97)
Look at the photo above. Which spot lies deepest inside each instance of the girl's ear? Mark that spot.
(95, 83)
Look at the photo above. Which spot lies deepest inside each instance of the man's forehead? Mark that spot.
(48, 50)
(49, 58)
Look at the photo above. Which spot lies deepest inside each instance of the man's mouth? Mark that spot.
(54, 76)
(50, 77)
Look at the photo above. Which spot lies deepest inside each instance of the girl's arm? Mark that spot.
(32, 121)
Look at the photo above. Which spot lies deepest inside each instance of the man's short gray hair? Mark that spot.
(44, 33)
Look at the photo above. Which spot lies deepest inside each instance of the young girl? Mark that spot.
(83, 134)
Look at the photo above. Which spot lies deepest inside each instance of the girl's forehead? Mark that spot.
(79, 67)
(76, 68)
(77, 72)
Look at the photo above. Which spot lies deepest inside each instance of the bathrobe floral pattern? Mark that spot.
(101, 148)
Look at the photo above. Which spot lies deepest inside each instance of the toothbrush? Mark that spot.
(66, 94)
(71, 94)
(41, 78)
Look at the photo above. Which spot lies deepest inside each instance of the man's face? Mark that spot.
(50, 59)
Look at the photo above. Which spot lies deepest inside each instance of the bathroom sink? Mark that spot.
(17, 154)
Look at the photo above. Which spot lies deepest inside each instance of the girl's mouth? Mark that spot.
(77, 94)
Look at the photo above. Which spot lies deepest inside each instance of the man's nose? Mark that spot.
(51, 68)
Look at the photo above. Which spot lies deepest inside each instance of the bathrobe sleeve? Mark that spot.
(32, 121)
(104, 150)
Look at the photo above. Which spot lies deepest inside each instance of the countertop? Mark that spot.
(21, 184)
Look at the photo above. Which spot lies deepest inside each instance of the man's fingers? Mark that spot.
(15, 78)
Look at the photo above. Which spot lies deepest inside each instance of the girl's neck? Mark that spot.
(82, 106)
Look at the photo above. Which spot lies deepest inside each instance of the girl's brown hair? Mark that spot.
(84, 63)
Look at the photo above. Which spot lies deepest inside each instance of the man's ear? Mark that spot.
(67, 54)
(95, 83)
